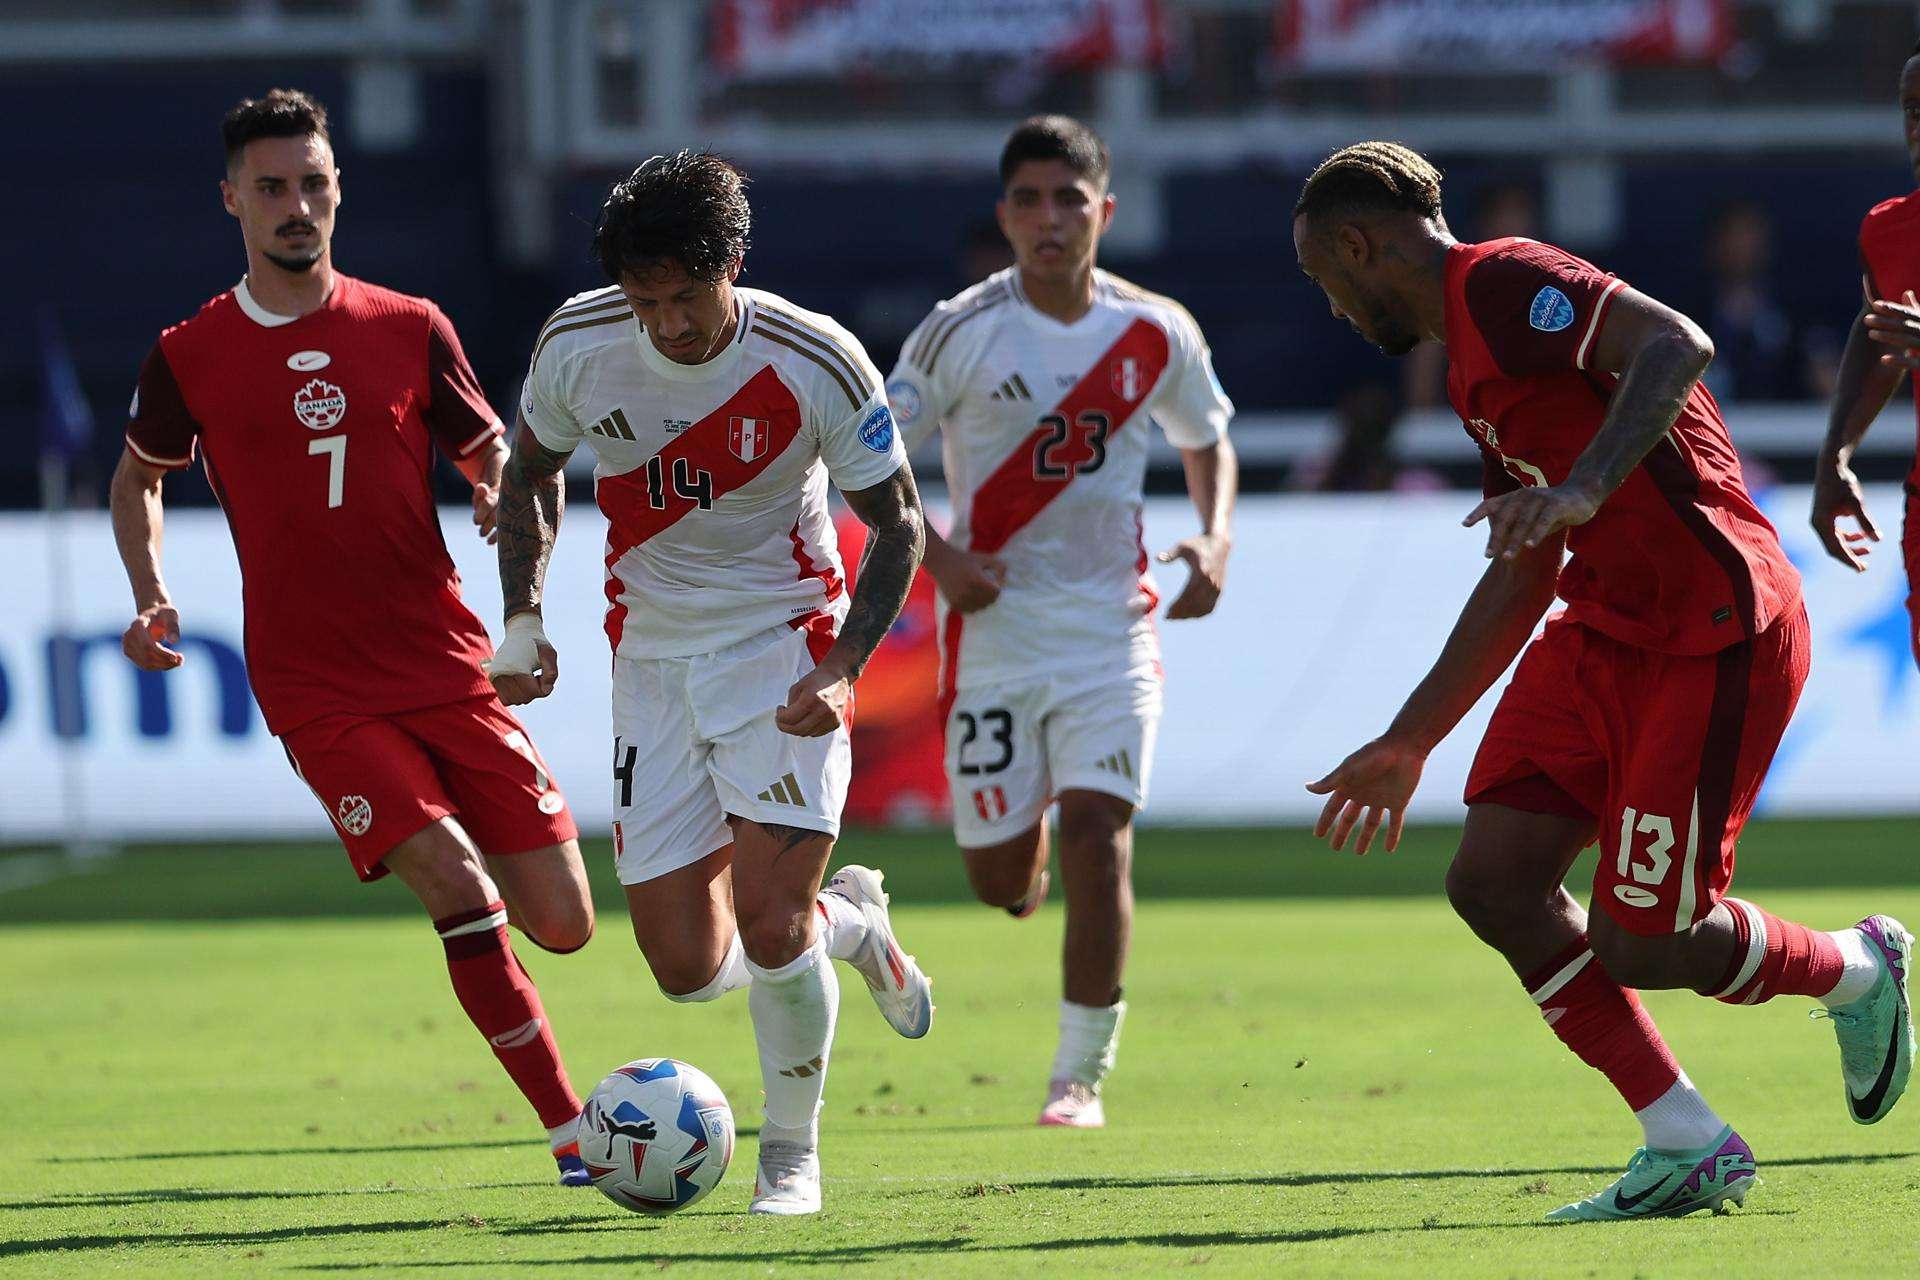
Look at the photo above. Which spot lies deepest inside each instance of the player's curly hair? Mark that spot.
(283, 113)
(689, 209)
(1371, 177)
(1055, 138)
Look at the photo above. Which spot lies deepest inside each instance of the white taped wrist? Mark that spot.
(519, 651)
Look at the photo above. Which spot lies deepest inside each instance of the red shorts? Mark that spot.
(1664, 753)
(385, 778)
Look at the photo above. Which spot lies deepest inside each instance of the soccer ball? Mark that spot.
(656, 1135)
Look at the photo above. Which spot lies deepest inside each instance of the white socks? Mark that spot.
(1089, 1038)
(562, 1134)
(730, 976)
(1679, 1119)
(1862, 971)
(843, 926)
(793, 1009)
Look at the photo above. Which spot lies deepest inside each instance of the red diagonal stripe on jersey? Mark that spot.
(631, 516)
(1013, 495)
(1009, 499)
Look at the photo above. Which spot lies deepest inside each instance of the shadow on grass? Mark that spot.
(832, 1255)
(1100, 1182)
(205, 1195)
(846, 1253)
(401, 1148)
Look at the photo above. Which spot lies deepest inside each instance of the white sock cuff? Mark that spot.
(1091, 1017)
(486, 924)
(730, 976)
(794, 968)
(1756, 946)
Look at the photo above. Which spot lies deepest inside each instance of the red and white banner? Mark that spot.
(1539, 34)
(774, 39)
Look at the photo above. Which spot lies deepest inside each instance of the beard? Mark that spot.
(1390, 333)
(295, 265)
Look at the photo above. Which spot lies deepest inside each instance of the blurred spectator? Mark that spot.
(1362, 458)
(1756, 353)
(983, 251)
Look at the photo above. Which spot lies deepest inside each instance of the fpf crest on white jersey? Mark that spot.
(713, 477)
(1044, 432)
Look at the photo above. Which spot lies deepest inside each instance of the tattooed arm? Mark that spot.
(532, 494)
(1658, 355)
(891, 511)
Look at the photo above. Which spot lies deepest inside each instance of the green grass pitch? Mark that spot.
(223, 1060)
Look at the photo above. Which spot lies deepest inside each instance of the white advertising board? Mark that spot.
(1334, 608)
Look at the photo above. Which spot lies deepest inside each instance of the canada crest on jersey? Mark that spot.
(319, 405)
(747, 437)
(1129, 379)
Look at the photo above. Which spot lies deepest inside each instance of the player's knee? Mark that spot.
(1632, 960)
(775, 938)
(561, 927)
(688, 980)
(1093, 820)
(1002, 876)
(1486, 902)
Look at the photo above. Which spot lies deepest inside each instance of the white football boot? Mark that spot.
(788, 1180)
(1073, 1104)
(903, 993)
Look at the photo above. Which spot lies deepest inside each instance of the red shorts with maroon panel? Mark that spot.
(384, 778)
(1664, 753)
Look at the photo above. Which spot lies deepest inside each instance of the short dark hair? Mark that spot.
(688, 208)
(283, 113)
(1059, 138)
(1371, 177)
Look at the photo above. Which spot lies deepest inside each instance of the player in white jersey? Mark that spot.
(1046, 380)
(717, 416)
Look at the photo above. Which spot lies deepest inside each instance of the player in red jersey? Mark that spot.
(1884, 344)
(1645, 714)
(315, 401)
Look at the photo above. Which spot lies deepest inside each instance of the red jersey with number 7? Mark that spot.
(1679, 558)
(317, 434)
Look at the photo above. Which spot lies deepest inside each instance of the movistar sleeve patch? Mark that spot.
(877, 431)
(1551, 311)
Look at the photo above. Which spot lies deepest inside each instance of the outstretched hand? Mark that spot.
(1523, 519)
(1206, 557)
(1368, 788)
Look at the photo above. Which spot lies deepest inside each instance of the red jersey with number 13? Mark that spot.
(317, 433)
(1678, 559)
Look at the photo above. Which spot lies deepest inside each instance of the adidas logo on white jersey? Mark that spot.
(1014, 388)
(614, 427)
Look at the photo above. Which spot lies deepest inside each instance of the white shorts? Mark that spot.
(694, 741)
(1012, 747)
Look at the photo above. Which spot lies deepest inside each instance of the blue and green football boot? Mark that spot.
(1671, 1184)
(1876, 1031)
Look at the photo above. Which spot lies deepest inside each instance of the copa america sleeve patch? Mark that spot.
(1551, 311)
(877, 431)
(904, 398)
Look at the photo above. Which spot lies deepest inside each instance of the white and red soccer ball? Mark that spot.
(656, 1135)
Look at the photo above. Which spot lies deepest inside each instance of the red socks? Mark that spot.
(1604, 1024)
(502, 1002)
(1775, 957)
